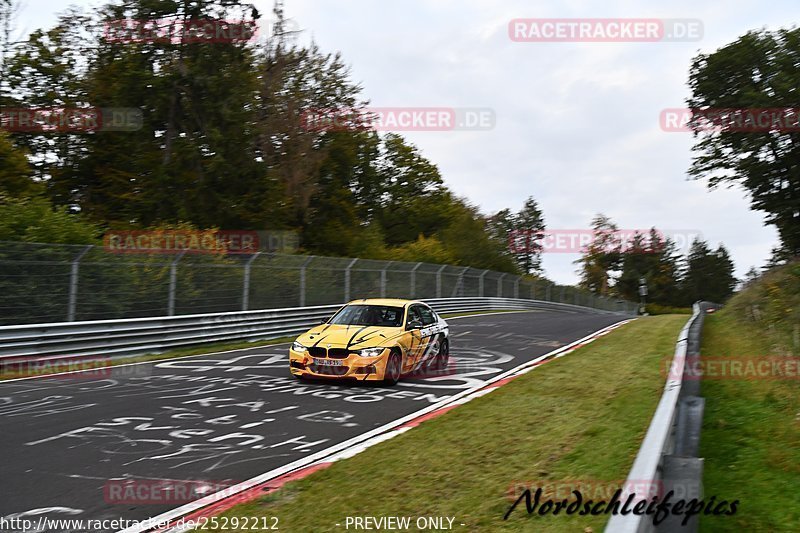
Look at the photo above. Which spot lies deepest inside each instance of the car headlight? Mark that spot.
(371, 352)
(297, 347)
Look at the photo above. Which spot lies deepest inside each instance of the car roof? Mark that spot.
(395, 302)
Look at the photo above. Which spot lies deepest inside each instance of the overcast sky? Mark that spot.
(577, 124)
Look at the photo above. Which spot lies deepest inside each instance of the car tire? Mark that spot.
(393, 370)
(443, 357)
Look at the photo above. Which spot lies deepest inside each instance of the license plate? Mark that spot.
(327, 362)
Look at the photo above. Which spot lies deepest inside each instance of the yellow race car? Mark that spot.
(373, 340)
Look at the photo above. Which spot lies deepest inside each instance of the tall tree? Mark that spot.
(601, 257)
(15, 172)
(709, 274)
(522, 234)
(756, 73)
(530, 222)
(411, 193)
(47, 71)
(8, 9)
(653, 258)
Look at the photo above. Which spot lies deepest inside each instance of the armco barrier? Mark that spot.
(667, 458)
(121, 338)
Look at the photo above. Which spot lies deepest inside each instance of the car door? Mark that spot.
(415, 345)
(428, 331)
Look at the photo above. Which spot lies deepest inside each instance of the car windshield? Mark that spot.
(369, 315)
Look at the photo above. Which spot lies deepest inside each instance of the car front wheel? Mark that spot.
(392, 373)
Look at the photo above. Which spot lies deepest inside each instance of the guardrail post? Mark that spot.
(246, 283)
(173, 281)
(480, 283)
(439, 281)
(413, 281)
(347, 280)
(73, 283)
(383, 279)
(500, 285)
(303, 280)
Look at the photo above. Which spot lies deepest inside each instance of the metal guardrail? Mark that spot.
(135, 336)
(667, 459)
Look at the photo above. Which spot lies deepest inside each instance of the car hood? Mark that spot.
(353, 337)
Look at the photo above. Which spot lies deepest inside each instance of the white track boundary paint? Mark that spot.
(359, 442)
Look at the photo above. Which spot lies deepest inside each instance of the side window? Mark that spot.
(413, 315)
(428, 318)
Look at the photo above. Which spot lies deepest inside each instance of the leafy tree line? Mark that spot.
(746, 123)
(611, 266)
(224, 143)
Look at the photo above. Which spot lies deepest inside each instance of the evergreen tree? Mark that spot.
(709, 275)
(601, 257)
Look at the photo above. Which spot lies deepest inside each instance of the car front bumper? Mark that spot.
(352, 367)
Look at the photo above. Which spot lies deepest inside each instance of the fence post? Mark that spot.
(548, 292)
(460, 282)
(303, 280)
(73, 283)
(413, 281)
(383, 279)
(533, 290)
(500, 285)
(516, 288)
(173, 281)
(480, 283)
(439, 281)
(562, 295)
(246, 284)
(347, 280)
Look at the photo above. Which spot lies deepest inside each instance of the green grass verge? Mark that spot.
(581, 417)
(655, 309)
(751, 435)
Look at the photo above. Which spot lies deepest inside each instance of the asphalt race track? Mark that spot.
(71, 445)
